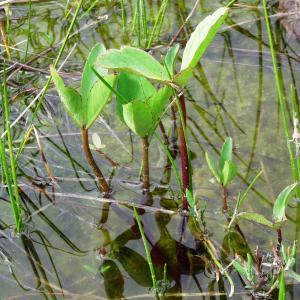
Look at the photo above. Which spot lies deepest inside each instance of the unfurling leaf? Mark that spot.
(201, 38)
(213, 167)
(281, 204)
(138, 117)
(229, 171)
(135, 61)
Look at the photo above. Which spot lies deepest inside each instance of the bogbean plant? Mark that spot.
(142, 108)
(85, 108)
(140, 104)
(143, 86)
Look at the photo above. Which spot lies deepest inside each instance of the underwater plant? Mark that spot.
(85, 108)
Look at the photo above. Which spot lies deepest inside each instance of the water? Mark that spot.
(76, 246)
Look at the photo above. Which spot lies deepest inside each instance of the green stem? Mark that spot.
(146, 172)
(11, 155)
(295, 174)
(29, 31)
(149, 259)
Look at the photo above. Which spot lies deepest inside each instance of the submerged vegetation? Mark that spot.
(156, 234)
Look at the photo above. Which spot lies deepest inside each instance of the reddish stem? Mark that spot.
(184, 154)
(224, 197)
(86, 148)
(279, 241)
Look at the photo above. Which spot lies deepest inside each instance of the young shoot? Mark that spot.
(84, 109)
(225, 170)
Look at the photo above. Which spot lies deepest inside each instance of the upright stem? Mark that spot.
(86, 148)
(146, 176)
(184, 154)
(279, 241)
(224, 197)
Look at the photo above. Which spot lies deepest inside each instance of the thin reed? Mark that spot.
(10, 173)
(280, 94)
(148, 255)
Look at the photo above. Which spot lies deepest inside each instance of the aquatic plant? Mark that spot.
(9, 170)
(141, 115)
(262, 275)
(224, 171)
(85, 108)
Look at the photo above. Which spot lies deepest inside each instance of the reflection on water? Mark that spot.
(77, 246)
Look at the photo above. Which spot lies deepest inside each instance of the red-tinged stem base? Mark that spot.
(89, 157)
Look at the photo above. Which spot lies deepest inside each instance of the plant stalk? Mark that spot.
(224, 194)
(86, 148)
(146, 176)
(184, 154)
(279, 241)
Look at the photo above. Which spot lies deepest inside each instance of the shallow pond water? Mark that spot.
(77, 245)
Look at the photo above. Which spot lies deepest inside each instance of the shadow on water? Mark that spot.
(79, 246)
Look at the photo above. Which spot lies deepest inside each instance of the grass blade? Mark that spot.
(149, 259)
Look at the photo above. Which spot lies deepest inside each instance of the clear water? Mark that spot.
(78, 247)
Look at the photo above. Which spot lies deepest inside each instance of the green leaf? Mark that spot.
(226, 152)
(170, 59)
(98, 96)
(158, 102)
(258, 218)
(70, 98)
(213, 166)
(89, 78)
(281, 203)
(293, 275)
(240, 268)
(135, 265)
(133, 60)
(133, 88)
(282, 290)
(183, 77)
(228, 172)
(190, 198)
(138, 117)
(202, 37)
(113, 280)
(250, 273)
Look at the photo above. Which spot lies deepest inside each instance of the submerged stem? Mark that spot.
(86, 148)
(184, 154)
(146, 176)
